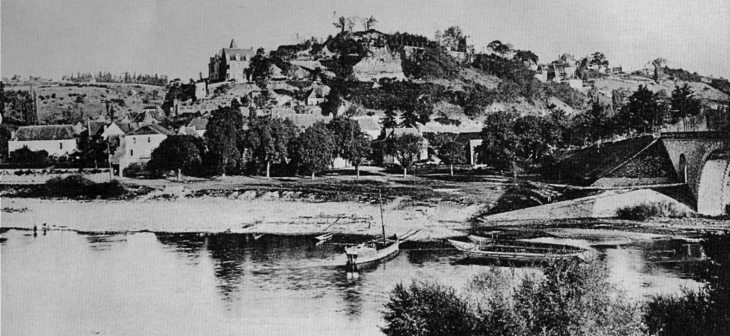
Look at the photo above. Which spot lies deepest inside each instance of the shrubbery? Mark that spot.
(645, 211)
(568, 298)
(76, 186)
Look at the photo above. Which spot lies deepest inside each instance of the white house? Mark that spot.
(315, 97)
(57, 140)
(139, 144)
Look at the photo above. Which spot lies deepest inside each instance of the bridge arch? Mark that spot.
(713, 194)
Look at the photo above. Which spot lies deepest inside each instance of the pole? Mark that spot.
(382, 222)
(109, 160)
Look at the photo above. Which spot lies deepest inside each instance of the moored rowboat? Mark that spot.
(518, 250)
(371, 252)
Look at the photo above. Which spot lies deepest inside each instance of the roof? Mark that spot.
(316, 93)
(151, 129)
(198, 123)
(187, 131)
(368, 124)
(406, 130)
(233, 44)
(124, 126)
(96, 127)
(48, 132)
(235, 51)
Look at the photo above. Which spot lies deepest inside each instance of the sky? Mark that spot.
(51, 38)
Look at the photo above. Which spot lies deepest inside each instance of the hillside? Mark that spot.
(69, 103)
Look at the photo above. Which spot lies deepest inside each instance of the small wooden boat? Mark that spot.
(326, 236)
(370, 252)
(323, 238)
(518, 250)
(257, 236)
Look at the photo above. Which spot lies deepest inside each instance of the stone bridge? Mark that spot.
(702, 160)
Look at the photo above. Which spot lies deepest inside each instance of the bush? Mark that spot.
(569, 298)
(427, 309)
(702, 312)
(645, 211)
(76, 186)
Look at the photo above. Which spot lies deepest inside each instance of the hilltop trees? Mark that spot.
(368, 23)
(315, 148)
(224, 131)
(181, 153)
(340, 23)
(451, 37)
(268, 141)
(598, 59)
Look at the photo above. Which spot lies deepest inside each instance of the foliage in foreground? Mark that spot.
(702, 312)
(568, 298)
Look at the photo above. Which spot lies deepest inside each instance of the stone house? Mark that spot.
(139, 144)
(57, 140)
(230, 64)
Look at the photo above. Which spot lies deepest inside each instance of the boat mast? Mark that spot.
(382, 222)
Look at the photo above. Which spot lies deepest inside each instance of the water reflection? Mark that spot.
(70, 284)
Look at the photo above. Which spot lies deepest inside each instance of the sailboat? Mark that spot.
(372, 251)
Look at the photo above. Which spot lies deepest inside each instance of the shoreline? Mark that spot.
(295, 217)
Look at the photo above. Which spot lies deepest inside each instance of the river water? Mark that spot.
(65, 283)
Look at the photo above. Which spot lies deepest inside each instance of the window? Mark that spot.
(134, 140)
(131, 152)
(148, 139)
(60, 145)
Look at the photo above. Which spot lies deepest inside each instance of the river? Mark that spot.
(66, 283)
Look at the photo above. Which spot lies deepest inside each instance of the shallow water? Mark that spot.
(65, 283)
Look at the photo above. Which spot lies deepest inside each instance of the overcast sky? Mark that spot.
(51, 38)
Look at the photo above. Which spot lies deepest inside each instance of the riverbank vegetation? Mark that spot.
(563, 298)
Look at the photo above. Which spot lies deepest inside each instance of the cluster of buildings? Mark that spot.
(563, 70)
(132, 140)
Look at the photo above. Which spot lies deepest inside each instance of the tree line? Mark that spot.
(234, 144)
(132, 78)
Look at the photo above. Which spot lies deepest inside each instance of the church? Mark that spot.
(230, 64)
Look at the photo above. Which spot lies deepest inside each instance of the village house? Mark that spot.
(199, 124)
(139, 144)
(315, 97)
(230, 64)
(57, 140)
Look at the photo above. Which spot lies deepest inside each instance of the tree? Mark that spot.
(268, 140)
(451, 38)
(525, 56)
(598, 59)
(315, 148)
(659, 64)
(427, 309)
(596, 122)
(368, 23)
(350, 142)
(260, 67)
(350, 22)
(389, 120)
(642, 111)
(499, 142)
(94, 149)
(5, 135)
(684, 103)
(224, 129)
(500, 48)
(405, 148)
(452, 153)
(181, 153)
